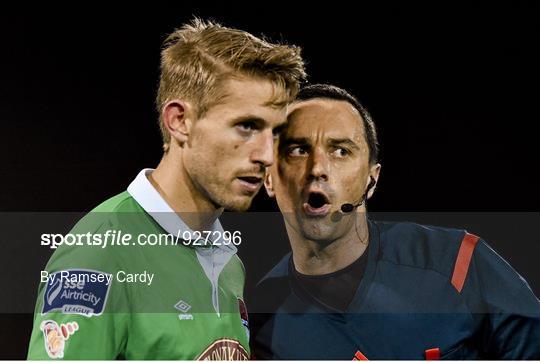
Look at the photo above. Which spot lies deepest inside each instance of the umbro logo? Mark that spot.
(182, 306)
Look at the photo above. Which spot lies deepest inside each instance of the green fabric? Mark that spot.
(141, 321)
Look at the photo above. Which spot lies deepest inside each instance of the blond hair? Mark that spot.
(197, 57)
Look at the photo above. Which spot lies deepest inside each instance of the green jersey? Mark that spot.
(134, 298)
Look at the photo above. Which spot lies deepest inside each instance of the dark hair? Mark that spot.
(332, 92)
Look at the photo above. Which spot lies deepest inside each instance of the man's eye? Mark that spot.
(297, 151)
(246, 127)
(340, 152)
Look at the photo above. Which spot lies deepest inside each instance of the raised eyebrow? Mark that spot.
(292, 140)
(343, 141)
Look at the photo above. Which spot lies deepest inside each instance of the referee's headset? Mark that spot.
(347, 208)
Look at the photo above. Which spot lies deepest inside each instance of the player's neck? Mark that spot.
(318, 258)
(171, 180)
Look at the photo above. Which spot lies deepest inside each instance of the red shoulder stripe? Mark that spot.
(463, 260)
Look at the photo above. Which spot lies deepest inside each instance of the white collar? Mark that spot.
(151, 201)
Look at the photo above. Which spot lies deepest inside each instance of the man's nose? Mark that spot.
(319, 165)
(264, 149)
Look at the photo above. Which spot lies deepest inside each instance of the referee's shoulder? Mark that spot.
(420, 246)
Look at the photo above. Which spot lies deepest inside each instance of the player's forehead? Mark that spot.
(261, 98)
(252, 91)
(322, 117)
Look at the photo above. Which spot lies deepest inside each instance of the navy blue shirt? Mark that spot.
(427, 292)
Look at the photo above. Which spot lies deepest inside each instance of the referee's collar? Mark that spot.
(151, 201)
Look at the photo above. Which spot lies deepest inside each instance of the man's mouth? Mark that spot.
(250, 183)
(317, 204)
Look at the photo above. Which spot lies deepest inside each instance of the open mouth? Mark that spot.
(317, 200)
(317, 204)
(250, 183)
(251, 180)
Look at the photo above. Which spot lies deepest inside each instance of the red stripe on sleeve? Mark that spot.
(463, 260)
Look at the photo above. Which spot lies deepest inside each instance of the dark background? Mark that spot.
(453, 90)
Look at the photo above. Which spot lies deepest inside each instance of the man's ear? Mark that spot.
(177, 120)
(374, 173)
(268, 184)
